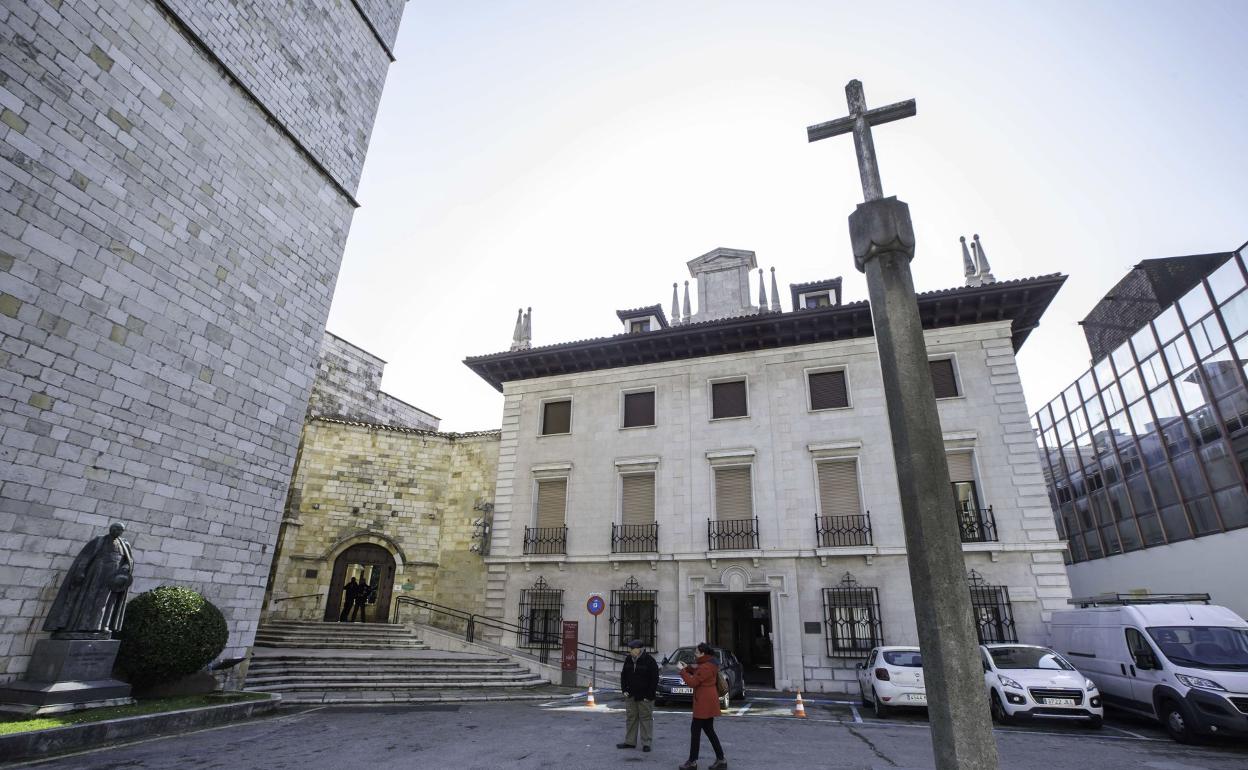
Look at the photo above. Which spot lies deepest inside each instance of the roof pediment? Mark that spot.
(721, 259)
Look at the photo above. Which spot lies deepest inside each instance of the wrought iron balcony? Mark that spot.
(977, 525)
(545, 540)
(843, 531)
(732, 534)
(635, 538)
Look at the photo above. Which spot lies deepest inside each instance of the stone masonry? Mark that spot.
(348, 385)
(176, 187)
(415, 493)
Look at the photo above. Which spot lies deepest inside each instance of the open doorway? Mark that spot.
(373, 569)
(742, 623)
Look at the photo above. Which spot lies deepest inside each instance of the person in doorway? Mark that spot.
(702, 676)
(350, 592)
(361, 603)
(639, 682)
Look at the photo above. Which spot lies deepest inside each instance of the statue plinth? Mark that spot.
(67, 675)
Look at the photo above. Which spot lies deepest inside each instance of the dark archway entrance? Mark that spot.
(370, 565)
(742, 623)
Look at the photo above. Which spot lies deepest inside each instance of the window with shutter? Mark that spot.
(838, 488)
(728, 399)
(556, 417)
(638, 409)
(961, 468)
(552, 502)
(943, 380)
(827, 390)
(637, 503)
(733, 493)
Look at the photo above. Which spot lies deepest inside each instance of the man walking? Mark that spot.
(639, 681)
(351, 591)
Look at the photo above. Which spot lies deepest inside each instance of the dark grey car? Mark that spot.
(673, 689)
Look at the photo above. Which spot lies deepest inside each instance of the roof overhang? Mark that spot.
(1021, 302)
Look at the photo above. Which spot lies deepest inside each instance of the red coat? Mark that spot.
(701, 677)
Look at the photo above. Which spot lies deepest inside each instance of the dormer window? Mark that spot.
(816, 294)
(637, 327)
(643, 319)
(819, 299)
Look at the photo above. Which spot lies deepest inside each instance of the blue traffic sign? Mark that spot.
(595, 605)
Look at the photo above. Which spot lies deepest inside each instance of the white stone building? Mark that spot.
(728, 475)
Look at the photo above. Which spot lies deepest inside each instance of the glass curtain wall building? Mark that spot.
(1150, 445)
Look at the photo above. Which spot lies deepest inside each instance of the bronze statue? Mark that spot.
(92, 599)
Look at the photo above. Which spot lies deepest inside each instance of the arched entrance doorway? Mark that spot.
(372, 566)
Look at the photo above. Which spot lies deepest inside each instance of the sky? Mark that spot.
(573, 156)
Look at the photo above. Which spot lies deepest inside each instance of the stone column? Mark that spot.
(883, 243)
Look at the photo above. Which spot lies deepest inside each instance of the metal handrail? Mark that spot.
(300, 596)
(977, 525)
(545, 540)
(472, 620)
(843, 531)
(732, 534)
(635, 538)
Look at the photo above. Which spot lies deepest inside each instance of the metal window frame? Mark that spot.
(846, 637)
(998, 621)
(631, 593)
(547, 601)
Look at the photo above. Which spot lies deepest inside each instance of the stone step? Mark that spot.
(336, 681)
(391, 687)
(287, 670)
(320, 664)
(361, 628)
(339, 644)
(385, 634)
(327, 638)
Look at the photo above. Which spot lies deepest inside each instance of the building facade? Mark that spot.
(1145, 454)
(727, 475)
(177, 180)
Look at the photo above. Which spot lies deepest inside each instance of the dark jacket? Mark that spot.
(701, 677)
(640, 677)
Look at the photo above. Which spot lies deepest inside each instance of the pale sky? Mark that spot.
(572, 155)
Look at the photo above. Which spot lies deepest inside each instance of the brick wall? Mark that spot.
(414, 493)
(167, 257)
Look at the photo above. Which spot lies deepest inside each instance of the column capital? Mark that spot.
(880, 227)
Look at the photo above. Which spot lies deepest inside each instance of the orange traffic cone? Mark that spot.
(799, 709)
(590, 702)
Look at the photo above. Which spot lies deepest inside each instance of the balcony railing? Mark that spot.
(843, 531)
(545, 540)
(977, 525)
(635, 538)
(732, 534)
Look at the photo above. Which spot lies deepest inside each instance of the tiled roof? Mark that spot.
(644, 312)
(413, 431)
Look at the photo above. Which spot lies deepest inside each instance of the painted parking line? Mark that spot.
(1128, 732)
(857, 716)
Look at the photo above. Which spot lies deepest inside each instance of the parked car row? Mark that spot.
(673, 689)
(1184, 665)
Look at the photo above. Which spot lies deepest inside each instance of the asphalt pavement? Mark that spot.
(563, 733)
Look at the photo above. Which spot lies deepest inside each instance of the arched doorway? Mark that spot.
(370, 565)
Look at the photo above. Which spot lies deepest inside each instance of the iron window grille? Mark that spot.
(843, 531)
(635, 538)
(732, 534)
(990, 605)
(634, 615)
(977, 525)
(851, 618)
(545, 540)
(541, 616)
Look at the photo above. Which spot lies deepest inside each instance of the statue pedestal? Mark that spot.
(67, 675)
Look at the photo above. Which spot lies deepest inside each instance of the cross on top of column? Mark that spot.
(859, 122)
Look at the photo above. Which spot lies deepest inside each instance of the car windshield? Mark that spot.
(1203, 646)
(1028, 657)
(906, 658)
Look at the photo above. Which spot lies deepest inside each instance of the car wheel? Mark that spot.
(723, 702)
(741, 693)
(999, 714)
(1176, 723)
(881, 711)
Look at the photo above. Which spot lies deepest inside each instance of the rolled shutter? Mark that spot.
(728, 399)
(838, 488)
(827, 390)
(961, 468)
(552, 502)
(733, 493)
(638, 409)
(637, 506)
(557, 417)
(943, 381)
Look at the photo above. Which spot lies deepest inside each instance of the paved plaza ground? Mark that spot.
(562, 733)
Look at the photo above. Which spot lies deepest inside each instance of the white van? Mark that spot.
(1168, 657)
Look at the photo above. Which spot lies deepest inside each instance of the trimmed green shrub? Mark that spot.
(169, 632)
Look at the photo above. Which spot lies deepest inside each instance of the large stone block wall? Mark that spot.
(415, 493)
(348, 385)
(167, 259)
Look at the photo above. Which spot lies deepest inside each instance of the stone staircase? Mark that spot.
(319, 662)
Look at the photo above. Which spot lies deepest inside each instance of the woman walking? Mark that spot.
(702, 676)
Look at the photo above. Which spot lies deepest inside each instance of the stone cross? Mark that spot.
(859, 121)
(882, 238)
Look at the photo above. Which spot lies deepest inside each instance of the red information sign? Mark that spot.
(570, 638)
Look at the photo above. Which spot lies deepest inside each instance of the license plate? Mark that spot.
(682, 691)
(916, 696)
(1059, 701)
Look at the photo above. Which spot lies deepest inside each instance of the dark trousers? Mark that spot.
(695, 739)
(358, 609)
(346, 610)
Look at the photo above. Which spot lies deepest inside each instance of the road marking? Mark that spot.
(749, 705)
(857, 716)
(1133, 735)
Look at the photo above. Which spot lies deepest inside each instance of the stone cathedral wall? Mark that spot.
(169, 242)
(415, 493)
